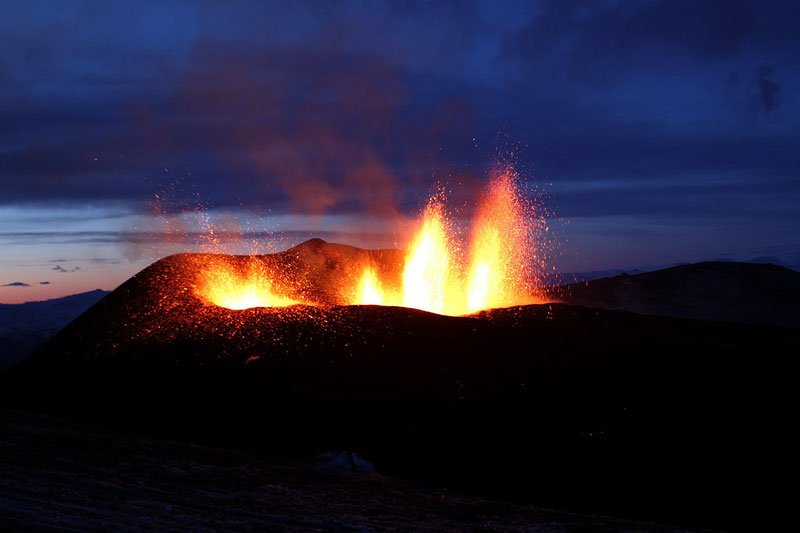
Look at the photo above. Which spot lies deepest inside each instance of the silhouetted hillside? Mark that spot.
(736, 292)
(677, 421)
(23, 327)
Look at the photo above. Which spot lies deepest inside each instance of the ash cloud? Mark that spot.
(346, 109)
(311, 131)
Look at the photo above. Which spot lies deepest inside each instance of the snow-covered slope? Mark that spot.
(23, 327)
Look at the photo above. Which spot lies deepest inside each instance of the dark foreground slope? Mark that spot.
(62, 476)
(676, 421)
(736, 292)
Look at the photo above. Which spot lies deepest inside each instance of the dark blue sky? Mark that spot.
(660, 131)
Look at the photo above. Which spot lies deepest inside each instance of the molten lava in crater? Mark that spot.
(232, 287)
(437, 274)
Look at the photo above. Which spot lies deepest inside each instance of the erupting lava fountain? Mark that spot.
(497, 268)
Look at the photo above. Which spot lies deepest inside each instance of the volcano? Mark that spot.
(584, 408)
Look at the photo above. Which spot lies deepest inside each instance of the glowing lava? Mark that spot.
(438, 272)
(498, 271)
(427, 272)
(369, 289)
(499, 249)
(224, 285)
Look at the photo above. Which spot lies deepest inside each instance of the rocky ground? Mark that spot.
(60, 475)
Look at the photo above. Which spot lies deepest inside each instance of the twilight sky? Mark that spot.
(653, 132)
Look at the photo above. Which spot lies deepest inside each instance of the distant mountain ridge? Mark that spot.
(25, 326)
(714, 290)
(772, 260)
(566, 278)
(763, 290)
